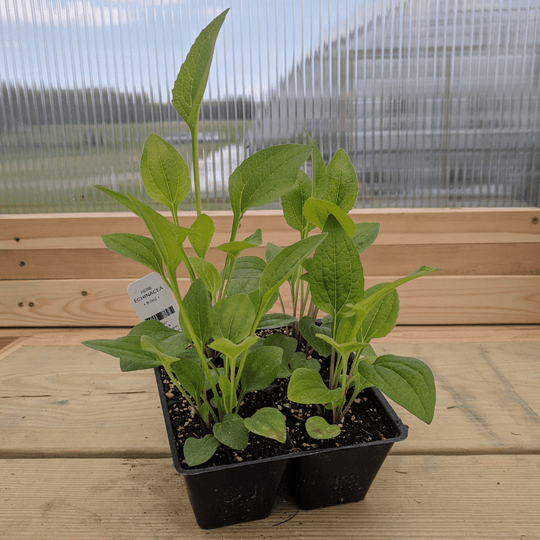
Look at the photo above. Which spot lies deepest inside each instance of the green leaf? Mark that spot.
(153, 328)
(246, 275)
(299, 360)
(318, 428)
(293, 202)
(201, 233)
(167, 236)
(382, 317)
(120, 198)
(344, 349)
(232, 318)
(309, 331)
(137, 248)
(271, 251)
(317, 211)
(264, 176)
(207, 272)
(164, 172)
(284, 263)
(275, 320)
(364, 235)
(133, 364)
(407, 381)
(190, 376)
(342, 184)
(307, 386)
(260, 368)
(268, 422)
(363, 307)
(199, 451)
(336, 276)
(198, 305)
(173, 345)
(232, 432)
(237, 246)
(230, 349)
(128, 346)
(191, 82)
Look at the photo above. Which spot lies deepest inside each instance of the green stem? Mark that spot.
(195, 153)
(191, 273)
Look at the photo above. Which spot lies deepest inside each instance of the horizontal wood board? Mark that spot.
(410, 226)
(71, 400)
(55, 271)
(430, 300)
(413, 497)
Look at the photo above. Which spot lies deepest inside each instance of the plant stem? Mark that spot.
(195, 156)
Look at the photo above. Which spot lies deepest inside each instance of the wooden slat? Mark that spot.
(401, 334)
(71, 400)
(431, 226)
(431, 300)
(413, 497)
(379, 260)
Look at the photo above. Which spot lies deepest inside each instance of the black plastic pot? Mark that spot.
(229, 494)
(341, 475)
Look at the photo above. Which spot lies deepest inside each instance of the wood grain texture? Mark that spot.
(72, 231)
(431, 300)
(413, 497)
(379, 260)
(401, 334)
(71, 400)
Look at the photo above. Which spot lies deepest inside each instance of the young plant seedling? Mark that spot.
(215, 360)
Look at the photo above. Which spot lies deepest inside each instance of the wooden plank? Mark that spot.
(413, 497)
(487, 397)
(431, 300)
(379, 260)
(409, 226)
(400, 334)
(71, 400)
(75, 401)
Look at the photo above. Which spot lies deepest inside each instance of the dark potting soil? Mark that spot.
(365, 422)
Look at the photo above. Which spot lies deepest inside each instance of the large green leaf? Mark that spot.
(265, 176)
(198, 451)
(364, 235)
(207, 272)
(232, 318)
(246, 275)
(164, 172)
(336, 276)
(268, 422)
(382, 317)
(190, 376)
(342, 184)
(167, 236)
(351, 325)
(137, 248)
(293, 202)
(407, 381)
(198, 306)
(201, 233)
(307, 386)
(284, 263)
(317, 211)
(260, 368)
(119, 197)
(232, 432)
(235, 247)
(309, 331)
(275, 320)
(191, 82)
(318, 428)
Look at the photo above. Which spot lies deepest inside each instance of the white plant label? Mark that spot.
(152, 300)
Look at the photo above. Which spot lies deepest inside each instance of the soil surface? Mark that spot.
(366, 421)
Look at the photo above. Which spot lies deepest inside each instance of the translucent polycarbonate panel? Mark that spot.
(436, 101)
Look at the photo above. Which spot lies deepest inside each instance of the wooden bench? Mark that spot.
(84, 452)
